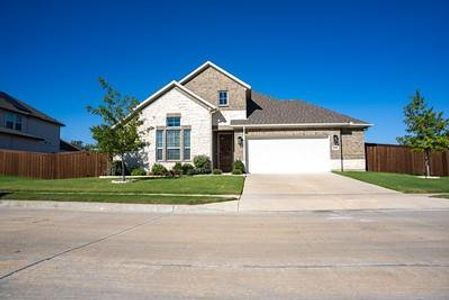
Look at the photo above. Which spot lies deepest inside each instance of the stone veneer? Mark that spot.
(210, 81)
(193, 114)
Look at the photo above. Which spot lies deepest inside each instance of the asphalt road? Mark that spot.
(53, 254)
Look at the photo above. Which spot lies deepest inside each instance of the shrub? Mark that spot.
(116, 168)
(159, 169)
(217, 172)
(190, 172)
(202, 162)
(203, 171)
(237, 172)
(187, 168)
(177, 169)
(138, 172)
(238, 165)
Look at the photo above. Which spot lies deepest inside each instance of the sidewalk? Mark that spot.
(254, 204)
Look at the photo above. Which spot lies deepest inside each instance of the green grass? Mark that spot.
(209, 185)
(105, 198)
(102, 190)
(402, 182)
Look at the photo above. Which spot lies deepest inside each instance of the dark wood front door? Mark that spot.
(225, 151)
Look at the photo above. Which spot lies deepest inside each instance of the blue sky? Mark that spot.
(361, 58)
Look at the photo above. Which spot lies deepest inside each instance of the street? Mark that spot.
(371, 254)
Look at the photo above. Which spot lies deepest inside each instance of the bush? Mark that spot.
(177, 169)
(202, 171)
(187, 168)
(190, 172)
(238, 165)
(116, 168)
(138, 172)
(158, 169)
(217, 172)
(202, 162)
(237, 172)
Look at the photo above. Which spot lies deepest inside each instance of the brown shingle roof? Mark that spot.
(10, 103)
(267, 110)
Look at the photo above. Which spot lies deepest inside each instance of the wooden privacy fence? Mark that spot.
(52, 165)
(402, 159)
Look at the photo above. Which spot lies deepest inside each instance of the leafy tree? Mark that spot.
(118, 134)
(82, 145)
(427, 130)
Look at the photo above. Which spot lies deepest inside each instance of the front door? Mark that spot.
(225, 151)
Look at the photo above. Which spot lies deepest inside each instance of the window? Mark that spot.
(173, 121)
(13, 121)
(159, 145)
(186, 139)
(222, 98)
(173, 144)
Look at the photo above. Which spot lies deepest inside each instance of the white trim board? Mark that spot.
(168, 87)
(211, 64)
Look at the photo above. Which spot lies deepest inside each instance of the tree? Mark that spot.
(427, 130)
(82, 145)
(118, 134)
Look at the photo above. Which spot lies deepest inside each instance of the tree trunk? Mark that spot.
(123, 167)
(110, 165)
(427, 162)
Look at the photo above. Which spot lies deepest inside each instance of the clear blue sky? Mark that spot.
(358, 57)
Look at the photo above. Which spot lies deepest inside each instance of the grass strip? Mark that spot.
(108, 198)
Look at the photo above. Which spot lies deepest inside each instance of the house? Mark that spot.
(212, 112)
(25, 128)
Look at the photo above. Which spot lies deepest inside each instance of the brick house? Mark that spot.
(212, 112)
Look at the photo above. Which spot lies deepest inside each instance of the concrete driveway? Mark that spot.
(326, 191)
(56, 254)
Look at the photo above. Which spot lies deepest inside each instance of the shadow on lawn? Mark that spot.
(3, 194)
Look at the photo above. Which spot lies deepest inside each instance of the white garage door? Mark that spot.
(288, 156)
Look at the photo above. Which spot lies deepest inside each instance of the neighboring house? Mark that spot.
(212, 112)
(24, 128)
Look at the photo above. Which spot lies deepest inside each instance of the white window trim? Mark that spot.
(167, 148)
(181, 147)
(219, 98)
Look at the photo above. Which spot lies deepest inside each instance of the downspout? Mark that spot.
(244, 148)
(341, 153)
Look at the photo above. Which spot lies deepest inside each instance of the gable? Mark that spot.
(207, 65)
(208, 82)
(181, 90)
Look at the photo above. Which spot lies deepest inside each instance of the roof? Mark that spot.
(208, 64)
(66, 146)
(19, 133)
(174, 84)
(264, 110)
(12, 104)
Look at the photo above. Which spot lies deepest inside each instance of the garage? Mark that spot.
(289, 156)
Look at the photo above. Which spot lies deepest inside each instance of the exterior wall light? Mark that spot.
(240, 141)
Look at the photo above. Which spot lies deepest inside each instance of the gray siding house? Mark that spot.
(212, 112)
(24, 128)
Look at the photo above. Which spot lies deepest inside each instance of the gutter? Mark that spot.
(304, 125)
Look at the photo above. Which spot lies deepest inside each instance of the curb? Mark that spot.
(211, 208)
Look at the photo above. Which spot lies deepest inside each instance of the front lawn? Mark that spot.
(185, 190)
(402, 182)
